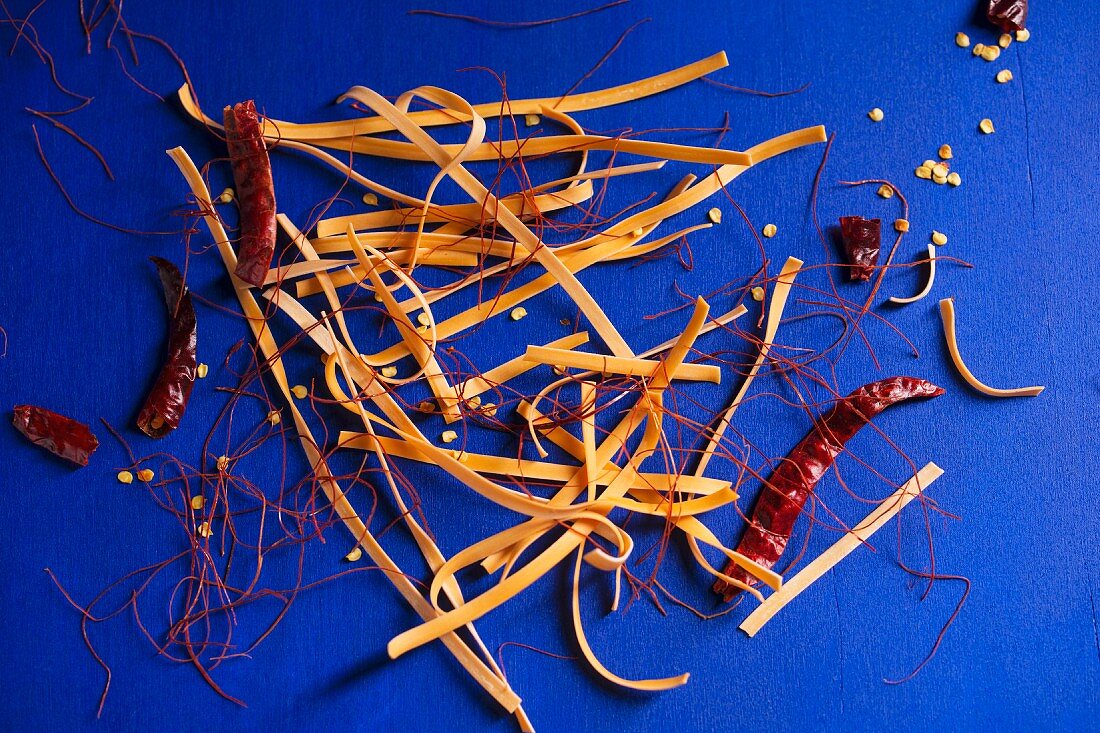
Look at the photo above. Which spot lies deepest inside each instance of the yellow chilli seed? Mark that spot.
(962, 40)
(939, 238)
(370, 199)
(489, 409)
(146, 475)
(945, 152)
(201, 371)
(1004, 76)
(274, 417)
(637, 233)
(875, 115)
(388, 371)
(299, 391)
(532, 120)
(901, 225)
(474, 402)
(1004, 40)
(125, 477)
(423, 319)
(517, 313)
(449, 436)
(885, 191)
(991, 53)
(1023, 35)
(758, 293)
(198, 501)
(427, 406)
(923, 171)
(223, 463)
(715, 215)
(954, 179)
(204, 530)
(354, 555)
(940, 170)
(769, 230)
(986, 126)
(226, 196)
(978, 48)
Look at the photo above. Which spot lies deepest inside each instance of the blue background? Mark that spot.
(84, 319)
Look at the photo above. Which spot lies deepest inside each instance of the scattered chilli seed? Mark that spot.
(427, 406)
(875, 115)
(901, 225)
(945, 152)
(532, 120)
(223, 463)
(388, 371)
(274, 417)
(299, 391)
(991, 53)
(962, 40)
(125, 477)
(769, 230)
(517, 313)
(421, 329)
(758, 293)
(146, 475)
(715, 215)
(978, 48)
(226, 196)
(474, 402)
(354, 555)
(423, 319)
(198, 501)
(1004, 76)
(637, 233)
(489, 409)
(1004, 40)
(449, 436)
(939, 238)
(923, 171)
(940, 180)
(204, 529)
(940, 170)
(954, 179)
(929, 163)
(370, 199)
(885, 191)
(1023, 35)
(201, 371)
(986, 126)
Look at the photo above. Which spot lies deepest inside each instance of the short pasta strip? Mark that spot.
(947, 312)
(843, 547)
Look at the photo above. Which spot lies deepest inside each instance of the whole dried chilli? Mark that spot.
(255, 191)
(862, 240)
(790, 485)
(167, 400)
(1008, 15)
(60, 435)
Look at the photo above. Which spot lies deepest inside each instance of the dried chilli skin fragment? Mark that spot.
(862, 240)
(167, 400)
(790, 485)
(1008, 15)
(255, 191)
(64, 437)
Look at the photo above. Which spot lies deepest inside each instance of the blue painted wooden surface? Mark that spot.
(83, 318)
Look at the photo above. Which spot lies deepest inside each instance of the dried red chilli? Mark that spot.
(862, 240)
(1008, 15)
(790, 485)
(60, 435)
(255, 191)
(167, 400)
